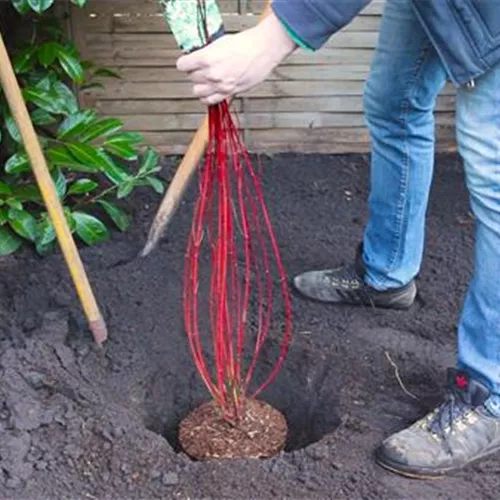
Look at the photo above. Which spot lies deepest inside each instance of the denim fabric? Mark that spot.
(466, 33)
(400, 94)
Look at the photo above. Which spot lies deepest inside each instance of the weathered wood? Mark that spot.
(312, 101)
(340, 104)
(258, 121)
(332, 141)
(181, 90)
(142, 7)
(159, 57)
(135, 43)
(155, 23)
(283, 72)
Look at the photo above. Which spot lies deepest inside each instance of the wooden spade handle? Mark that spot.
(19, 110)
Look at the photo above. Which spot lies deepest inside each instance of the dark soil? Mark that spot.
(83, 423)
(260, 433)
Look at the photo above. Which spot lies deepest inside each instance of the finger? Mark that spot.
(192, 62)
(202, 90)
(199, 76)
(214, 99)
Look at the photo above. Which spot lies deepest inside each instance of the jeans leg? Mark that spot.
(478, 136)
(400, 95)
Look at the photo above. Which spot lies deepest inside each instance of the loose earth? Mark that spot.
(84, 423)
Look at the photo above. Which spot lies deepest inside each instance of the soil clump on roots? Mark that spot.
(260, 433)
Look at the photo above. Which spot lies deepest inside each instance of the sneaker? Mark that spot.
(457, 433)
(345, 285)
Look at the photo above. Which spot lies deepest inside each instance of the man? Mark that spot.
(422, 44)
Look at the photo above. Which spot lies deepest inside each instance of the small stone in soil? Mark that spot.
(35, 379)
(318, 452)
(154, 474)
(117, 432)
(55, 326)
(13, 483)
(170, 479)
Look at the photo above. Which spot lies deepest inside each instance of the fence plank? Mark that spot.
(181, 90)
(257, 121)
(155, 23)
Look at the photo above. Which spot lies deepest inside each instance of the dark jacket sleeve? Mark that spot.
(315, 21)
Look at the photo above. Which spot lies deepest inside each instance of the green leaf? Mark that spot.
(119, 217)
(17, 163)
(23, 62)
(5, 189)
(80, 3)
(93, 85)
(45, 81)
(107, 73)
(22, 6)
(125, 137)
(86, 155)
(23, 223)
(101, 128)
(82, 186)
(71, 49)
(47, 53)
(48, 100)
(125, 189)
(9, 242)
(156, 184)
(69, 219)
(67, 96)
(122, 150)
(45, 235)
(42, 117)
(90, 229)
(14, 203)
(71, 65)
(123, 145)
(112, 171)
(59, 182)
(28, 192)
(59, 156)
(40, 6)
(11, 125)
(3, 216)
(150, 162)
(75, 123)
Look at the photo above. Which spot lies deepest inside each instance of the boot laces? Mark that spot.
(447, 414)
(355, 288)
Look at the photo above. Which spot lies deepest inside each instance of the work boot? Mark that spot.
(346, 285)
(458, 432)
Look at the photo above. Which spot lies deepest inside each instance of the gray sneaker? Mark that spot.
(457, 433)
(345, 285)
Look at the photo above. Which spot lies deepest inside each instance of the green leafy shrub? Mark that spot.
(92, 159)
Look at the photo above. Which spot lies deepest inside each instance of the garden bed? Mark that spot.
(82, 422)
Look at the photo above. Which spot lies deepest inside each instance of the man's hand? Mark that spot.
(236, 63)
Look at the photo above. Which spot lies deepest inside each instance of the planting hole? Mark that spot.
(305, 392)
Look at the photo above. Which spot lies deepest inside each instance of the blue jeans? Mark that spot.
(400, 95)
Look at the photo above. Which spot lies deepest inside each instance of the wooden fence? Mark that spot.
(311, 103)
